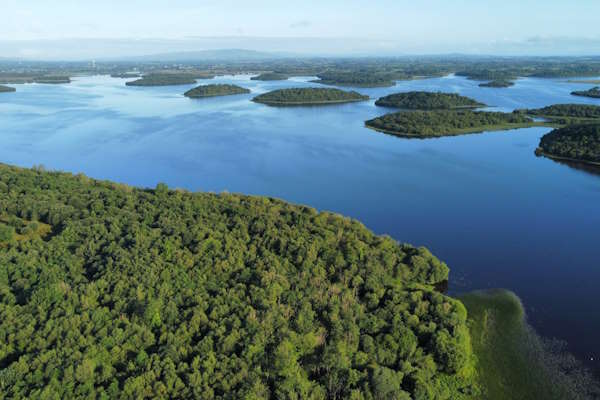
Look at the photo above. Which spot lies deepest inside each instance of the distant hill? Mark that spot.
(211, 55)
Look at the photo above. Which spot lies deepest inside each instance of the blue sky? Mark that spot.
(425, 26)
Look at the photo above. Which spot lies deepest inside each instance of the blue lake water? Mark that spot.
(498, 215)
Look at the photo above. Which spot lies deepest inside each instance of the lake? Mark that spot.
(484, 203)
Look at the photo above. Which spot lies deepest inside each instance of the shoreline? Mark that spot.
(491, 128)
(541, 153)
(312, 103)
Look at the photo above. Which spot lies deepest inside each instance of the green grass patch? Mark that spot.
(513, 362)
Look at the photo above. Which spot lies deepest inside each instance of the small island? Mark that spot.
(498, 83)
(270, 76)
(308, 97)
(429, 124)
(7, 89)
(588, 82)
(125, 75)
(163, 80)
(566, 114)
(215, 90)
(355, 79)
(578, 143)
(52, 80)
(593, 93)
(427, 101)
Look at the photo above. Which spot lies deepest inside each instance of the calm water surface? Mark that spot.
(499, 216)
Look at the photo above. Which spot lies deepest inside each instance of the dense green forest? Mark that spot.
(498, 83)
(31, 77)
(6, 89)
(54, 80)
(125, 75)
(566, 114)
(270, 76)
(356, 78)
(107, 291)
(308, 96)
(424, 124)
(163, 80)
(215, 90)
(593, 92)
(427, 101)
(574, 142)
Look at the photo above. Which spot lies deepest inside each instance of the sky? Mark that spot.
(384, 26)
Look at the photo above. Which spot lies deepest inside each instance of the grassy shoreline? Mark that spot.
(513, 362)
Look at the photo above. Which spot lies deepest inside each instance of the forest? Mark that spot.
(108, 291)
(125, 75)
(215, 90)
(566, 114)
(426, 124)
(163, 79)
(356, 78)
(270, 76)
(573, 142)
(6, 89)
(593, 92)
(427, 101)
(498, 83)
(308, 96)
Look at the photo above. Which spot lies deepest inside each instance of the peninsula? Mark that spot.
(163, 291)
(579, 143)
(7, 89)
(419, 100)
(593, 93)
(270, 76)
(566, 114)
(215, 90)
(308, 96)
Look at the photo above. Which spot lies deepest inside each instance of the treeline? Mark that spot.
(215, 90)
(574, 142)
(566, 114)
(163, 80)
(593, 92)
(498, 83)
(419, 100)
(169, 294)
(356, 78)
(438, 123)
(308, 96)
(6, 89)
(270, 76)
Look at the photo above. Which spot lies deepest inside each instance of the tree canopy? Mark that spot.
(6, 89)
(308, 96)
(593, 92)
(164, 79)
(498, 83)
(424, 124)
(167, 294)
(270, 76)
(575, 142)
(215, 90)
(419, 100)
